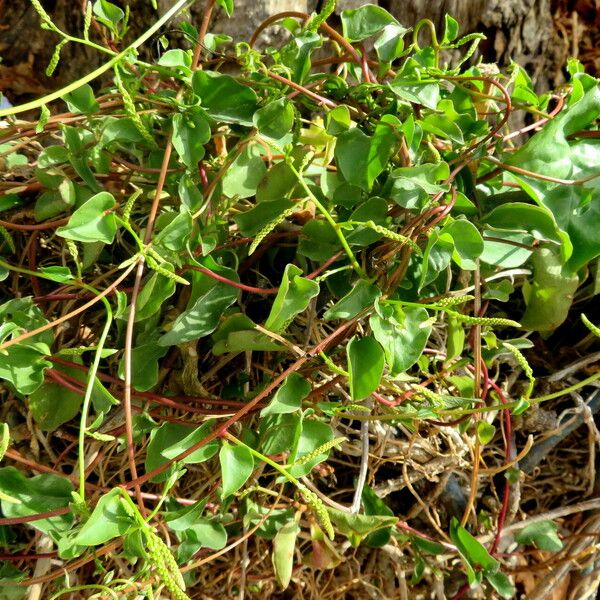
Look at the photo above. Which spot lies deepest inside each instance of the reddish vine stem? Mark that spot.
(508, 457)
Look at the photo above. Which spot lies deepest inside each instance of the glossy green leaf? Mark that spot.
(485, 432)
(109, 519)
(154, 294)
(107, 13)
(550, 294)
(42, 493)
(390, 44)
(365, 366)
(542, 534)
(374, 505)
(190, 132)
(253, 220)
(410, 187)
(53, 404)
(224, 98)
(144, 359)
(471, 549)
(361, 296)
(82, 100)
(519, 216)
(293, 297)
(284, 544)
(237, 465)
(365, 21)
(275, 119)
(362, 158)
(23, 364)
(403, 334)
(288, 397)
(338, 120)
(171, 439)
(356, 526)
(279, 433)
(202, 316)
(468, 243)
(501, 249)
(93, 221)
(227, 6)
(312, 436)
(244, 174)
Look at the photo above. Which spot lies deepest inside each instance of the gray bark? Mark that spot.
(521, 30)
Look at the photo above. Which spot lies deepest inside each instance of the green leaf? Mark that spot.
(23, 364)
(361, 296)
(403, 334)
(284, 544)
(365, 366)
(202, 315)
(42, 493)
(390, 44)
(237, 465)
(361, 158)
(144, 358)
(275, 119)
(108, 13)
(208, 533)
(313, 435)
(279, 433)
(237, 333)
(374, 505)
(537, 221)
(155, 292)
(485, 432)
(542, 535)
(468, 243)
(412, 89)
(196, 435)
(171, 439)
(227, 6)
(505, 254)
(109, 519)
(501, 583)
(365, 21)
(410, 187)
(56, 273)
(253, 220)
(357, 526)
(472, 550)
(82, 100)
(10, 574)
(121, 130)
(338, 120)
(176, 58)
(293, 297)
(92, 221)
(550, 295)
(244, 174)
(52, 404)
(190, 132)
(288, 397)
(450, 29)
(224, 98)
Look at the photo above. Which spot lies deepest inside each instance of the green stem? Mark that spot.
(14, 110)
(329, 219)
(89, 388)
(265, 459)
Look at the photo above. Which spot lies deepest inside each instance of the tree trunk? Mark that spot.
(521, 30)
